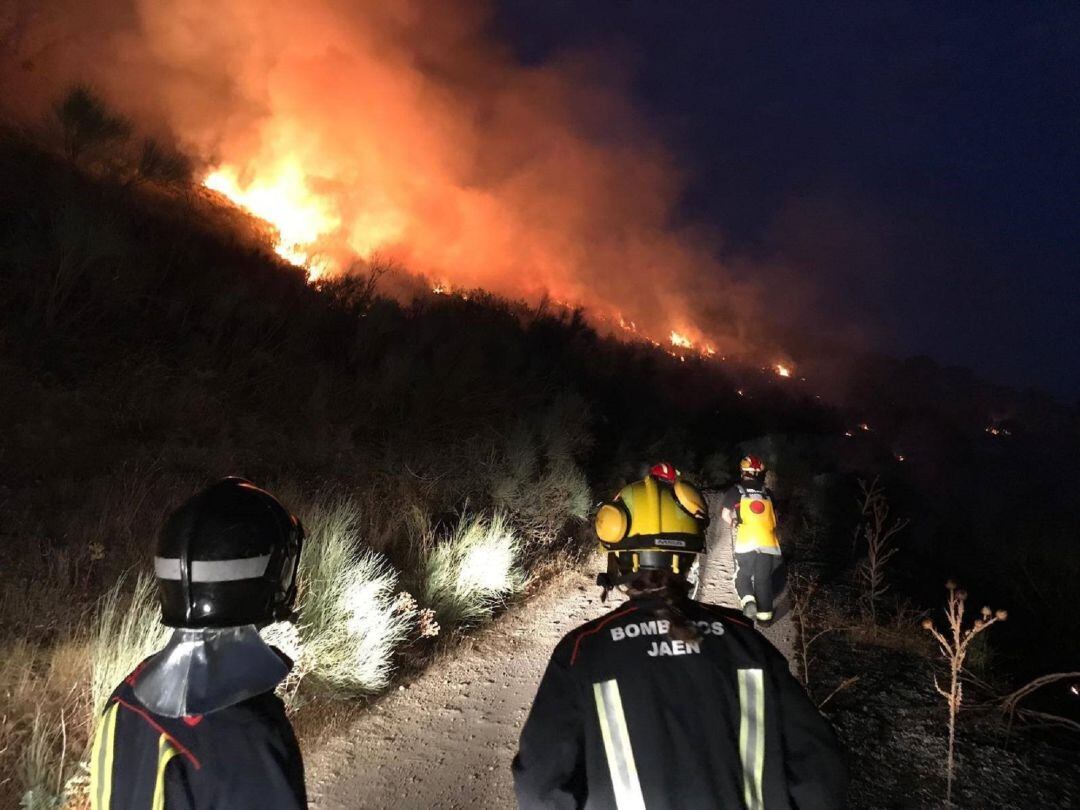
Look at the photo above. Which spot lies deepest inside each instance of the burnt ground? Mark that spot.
(894, 727)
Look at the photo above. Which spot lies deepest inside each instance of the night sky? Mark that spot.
(916, 162)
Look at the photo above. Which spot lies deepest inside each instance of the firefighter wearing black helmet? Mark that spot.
(197, 725)
(666, 702)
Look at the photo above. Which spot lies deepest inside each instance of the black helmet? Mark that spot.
(228, 557)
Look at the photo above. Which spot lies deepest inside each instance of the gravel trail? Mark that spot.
(446, 739)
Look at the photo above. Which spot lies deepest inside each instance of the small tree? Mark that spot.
(162, 164)
(878, 533)
(355, 290)
(954, 644)
(86, 122)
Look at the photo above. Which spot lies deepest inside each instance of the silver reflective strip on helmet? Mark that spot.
(213, 570)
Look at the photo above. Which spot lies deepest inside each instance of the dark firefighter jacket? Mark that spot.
(242, 756)
(627, 718)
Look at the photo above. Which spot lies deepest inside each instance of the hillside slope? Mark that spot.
(151, 341)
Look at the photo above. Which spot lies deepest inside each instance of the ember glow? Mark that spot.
(782, 370)
(405, 130)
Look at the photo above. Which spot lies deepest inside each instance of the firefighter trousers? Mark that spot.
(754, 572)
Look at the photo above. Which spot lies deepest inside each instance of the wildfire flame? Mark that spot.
(283, 200)
(407, 130)
(782, 370)
(680, 340)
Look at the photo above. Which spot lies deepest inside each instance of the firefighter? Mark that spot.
(197, 725)
(748, 509)
(666, 702)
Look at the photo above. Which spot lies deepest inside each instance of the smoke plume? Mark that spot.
(402, 130)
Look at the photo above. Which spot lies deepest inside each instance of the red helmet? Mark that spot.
(664, 471)
(752, 465)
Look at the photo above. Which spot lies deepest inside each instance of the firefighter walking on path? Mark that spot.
(748, 509)
(667, 703)
(197, 725)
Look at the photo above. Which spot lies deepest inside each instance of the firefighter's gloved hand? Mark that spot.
(605, 582)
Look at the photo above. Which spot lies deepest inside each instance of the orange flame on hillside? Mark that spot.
(680, 340)
(404, 130)
(299, 217)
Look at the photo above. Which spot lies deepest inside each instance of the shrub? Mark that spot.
(87, 122)
(350, 619)
(534, 477)
(162, 164)
(468, 574)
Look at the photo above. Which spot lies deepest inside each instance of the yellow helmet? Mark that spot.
(653, 524)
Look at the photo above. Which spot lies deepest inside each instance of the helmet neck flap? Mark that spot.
(204, 670)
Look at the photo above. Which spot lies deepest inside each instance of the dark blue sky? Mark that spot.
(918, 162)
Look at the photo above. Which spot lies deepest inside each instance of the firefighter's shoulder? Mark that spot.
(724, 614)
(732, 620)
(577, 642)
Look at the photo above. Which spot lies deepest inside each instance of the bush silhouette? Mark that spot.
(86, 123)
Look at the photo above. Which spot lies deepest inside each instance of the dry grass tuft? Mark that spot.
(351, 621)
(468, 574)
(45, 722)
(125, 630)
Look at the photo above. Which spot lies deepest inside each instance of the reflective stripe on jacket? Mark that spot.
(243, 756)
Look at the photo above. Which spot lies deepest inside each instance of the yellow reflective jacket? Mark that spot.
(755, 522)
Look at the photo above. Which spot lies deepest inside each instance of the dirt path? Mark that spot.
(446, 739)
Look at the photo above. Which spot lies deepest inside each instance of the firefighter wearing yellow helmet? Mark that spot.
(666, 701)
(656, 523)
(748, 509)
